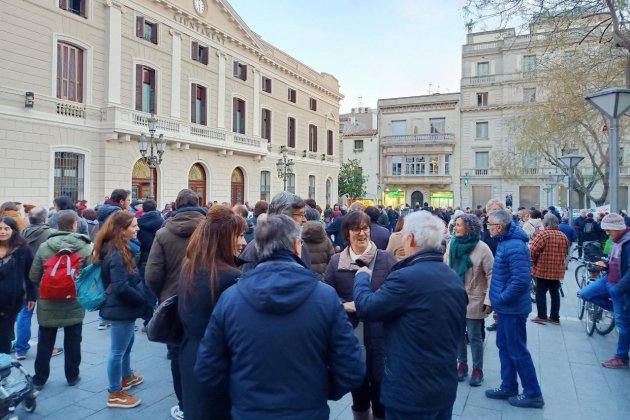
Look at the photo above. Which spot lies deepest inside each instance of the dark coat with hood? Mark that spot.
(423, 307)
(149, 223)
(249, 256)
(36, 235)
(511, 273)
(195, 307)
(169, 249)
(59, 313)
(307, 354)
(319, 246)
(14, 281)
(379, 235)
(106, 210)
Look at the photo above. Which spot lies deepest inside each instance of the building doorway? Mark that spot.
(417, 199)
(238, 186)
(140, 181)
(197, 182)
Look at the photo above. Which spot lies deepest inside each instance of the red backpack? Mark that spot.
(60, 272)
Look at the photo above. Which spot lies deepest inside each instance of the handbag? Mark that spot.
(165, 326)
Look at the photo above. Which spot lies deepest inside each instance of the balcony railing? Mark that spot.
(357, 149)
(482, 171)
(480, 80)
(418, 139)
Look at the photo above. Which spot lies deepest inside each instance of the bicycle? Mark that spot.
(591, 253)
(532, 289)
(597, 318)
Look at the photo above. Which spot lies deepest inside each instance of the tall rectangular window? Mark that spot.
(329, 143)
(238, 111)
(145, 89)
(69, 72)
(482, 160)
(265, 126)
(199, 53)
(74, 6)
(481, 130)
(311, 186)
(312, 138)
(529, 63)
(291, 132)
(482, 99)
(69, 175)
(265, 186)
(399, 127)
(240, 71)
(447, 164)
(437, 125)
(146, 30)
(434, 165)
(415, 165)
(312, 104)
(529, 95)
(198, 104)
(266, 84)
(291, 183)
(292, 95)
(483, 69)
(396, 168)
(358, 146)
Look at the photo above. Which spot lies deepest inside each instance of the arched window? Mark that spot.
(238, 186)
(141, 181)
(197, 181)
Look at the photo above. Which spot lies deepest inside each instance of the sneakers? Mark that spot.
(103, 325)
(462, 371)
(492, 327)
(476, 378)
(615, 363)
(131, 381)
(527, 402)
(56, 351)
(538, 320)
(500, 394)
(176, 413)
(121, 399)
(554, 321)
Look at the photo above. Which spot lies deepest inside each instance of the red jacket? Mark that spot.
(549, 253)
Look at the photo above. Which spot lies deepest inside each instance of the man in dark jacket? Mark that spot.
(509, 296)
(578, 225)
(165, 262)
(378, 233)
(118, 200)
(149, 223)
(420, 377)
(313, 356)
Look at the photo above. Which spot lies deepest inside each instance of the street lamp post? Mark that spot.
(284, 166)
(570, 161)
(152, 145)
(613, 103)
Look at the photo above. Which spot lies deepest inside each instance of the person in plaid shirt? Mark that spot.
(549, 251)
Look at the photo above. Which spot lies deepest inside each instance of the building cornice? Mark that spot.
(395, 109)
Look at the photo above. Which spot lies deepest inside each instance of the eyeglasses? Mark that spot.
(494, 224)
(299, 214)
(360, 229)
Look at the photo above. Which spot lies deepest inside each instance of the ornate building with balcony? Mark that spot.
(419, 143)
(80, 79)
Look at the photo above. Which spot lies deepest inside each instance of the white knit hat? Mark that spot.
(613, 221)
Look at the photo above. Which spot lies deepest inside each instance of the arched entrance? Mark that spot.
(197, 181)
(140, 181)
(416, 199)
(238, 186)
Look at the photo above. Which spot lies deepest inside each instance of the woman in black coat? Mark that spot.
(208, 269)
(340, 275)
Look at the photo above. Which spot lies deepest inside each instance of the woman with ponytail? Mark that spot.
(472, 260)
(124, 304)
(208, 269)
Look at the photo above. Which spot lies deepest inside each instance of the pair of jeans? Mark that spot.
(474, 328)
(601, 293)
(514, 356)
(7, 322)
(118, 362)
(173, 355)
(23, 330)
(71, 352)
(368, 393)
(553, 287)
(445, 413)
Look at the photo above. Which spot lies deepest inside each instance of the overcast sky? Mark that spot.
(375, 48)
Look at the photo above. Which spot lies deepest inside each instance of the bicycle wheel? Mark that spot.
(581, 274)
(532, 290)
(605, 322)
(589, 319)
(581, 304)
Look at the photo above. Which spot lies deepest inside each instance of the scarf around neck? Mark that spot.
(459, 253)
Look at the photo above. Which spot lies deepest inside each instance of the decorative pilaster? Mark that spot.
(176, 74)
(256, 104)
(114, 48)
(221, 91)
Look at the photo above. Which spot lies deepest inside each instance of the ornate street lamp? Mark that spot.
(152, 145)
(284, 166)
(570, 161)
(613, 103)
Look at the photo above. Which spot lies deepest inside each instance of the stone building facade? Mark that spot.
(80, 79)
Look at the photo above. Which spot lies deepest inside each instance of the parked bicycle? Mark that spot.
(532, 289)
(597, 318)
(592, 252)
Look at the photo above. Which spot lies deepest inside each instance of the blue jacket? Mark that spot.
(423, 306)
(334, 228)
(104, 211)
(568, 231)
(283, 342)
(511, 273)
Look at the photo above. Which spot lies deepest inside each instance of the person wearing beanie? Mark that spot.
(615, 287)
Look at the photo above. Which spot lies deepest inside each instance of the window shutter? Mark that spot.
(63, 4)
(234, 114)
(193, 103)
(138, 87)
(154, 33)
(205, 56)
(314, 139)
(244, 72)
(195, 50)
(140, 26)
(79, 86)
(153, 90)
(203, 106)
(59, 67)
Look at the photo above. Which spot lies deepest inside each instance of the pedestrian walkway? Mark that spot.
(567, 361)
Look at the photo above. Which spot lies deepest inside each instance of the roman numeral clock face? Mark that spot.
(200, 6)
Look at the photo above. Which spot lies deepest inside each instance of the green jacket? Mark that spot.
(53, 313)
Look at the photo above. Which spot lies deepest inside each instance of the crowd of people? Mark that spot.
(286, 305)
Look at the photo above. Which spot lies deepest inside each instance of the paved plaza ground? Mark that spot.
(574, 384)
